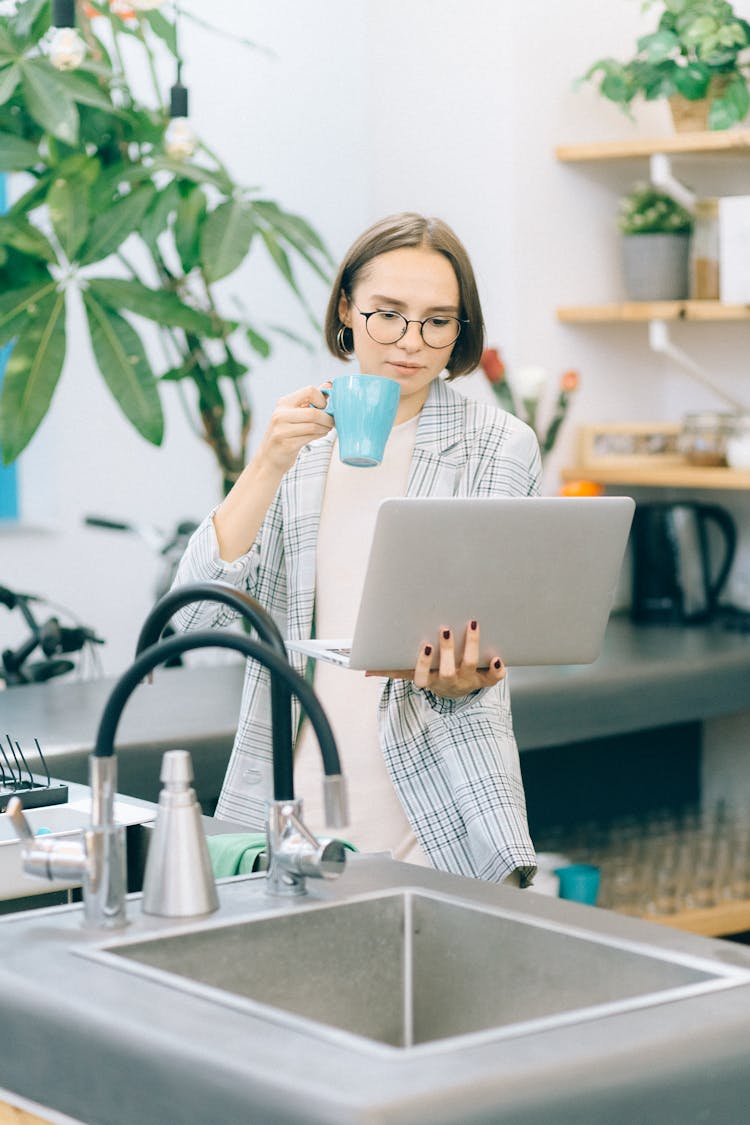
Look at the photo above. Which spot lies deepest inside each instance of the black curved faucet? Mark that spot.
(293, 852)
(268, 631)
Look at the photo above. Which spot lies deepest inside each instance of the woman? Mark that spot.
(430, 758)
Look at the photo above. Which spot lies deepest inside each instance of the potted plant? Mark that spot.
(697, 58)
(656, 233)
(127, 213)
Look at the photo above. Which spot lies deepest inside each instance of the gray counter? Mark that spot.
(114, 1048)
(647, 676)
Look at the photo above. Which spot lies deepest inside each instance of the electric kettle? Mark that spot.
(682, 554)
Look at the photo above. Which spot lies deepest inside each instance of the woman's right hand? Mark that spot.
(293, 424)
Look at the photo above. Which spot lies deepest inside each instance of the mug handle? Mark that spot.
(326, 409)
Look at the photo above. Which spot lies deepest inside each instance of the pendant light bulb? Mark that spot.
(66, 48)
(180, 140)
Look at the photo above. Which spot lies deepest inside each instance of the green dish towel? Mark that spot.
(238, 853)
(235, 853)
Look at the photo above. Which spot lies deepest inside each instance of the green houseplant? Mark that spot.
(656, 233)
(137, 231)
(697, 54)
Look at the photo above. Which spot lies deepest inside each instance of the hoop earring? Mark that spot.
(340, 341)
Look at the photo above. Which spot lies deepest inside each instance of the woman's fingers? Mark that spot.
(422, 672)
(471, 648)
(447, 668)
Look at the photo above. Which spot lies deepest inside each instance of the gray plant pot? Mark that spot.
(656, 266)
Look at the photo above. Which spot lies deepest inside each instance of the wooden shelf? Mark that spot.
(713, 921)
(729, 142)
(673, 476)
(640, 311)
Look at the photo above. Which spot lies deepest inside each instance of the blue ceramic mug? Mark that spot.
(364, 409)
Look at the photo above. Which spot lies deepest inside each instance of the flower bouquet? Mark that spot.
(525, 395)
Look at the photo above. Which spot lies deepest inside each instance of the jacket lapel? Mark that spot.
(437, 458)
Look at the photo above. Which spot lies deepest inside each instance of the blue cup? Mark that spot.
(364, 409)
(579, 882)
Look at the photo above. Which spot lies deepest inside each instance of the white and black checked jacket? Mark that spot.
(454, 763)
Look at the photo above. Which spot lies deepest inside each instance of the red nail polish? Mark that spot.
(498, 664)
(473, 625)
(428, 650)
(446, 634)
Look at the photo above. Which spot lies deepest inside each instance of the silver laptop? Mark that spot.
(539, 575)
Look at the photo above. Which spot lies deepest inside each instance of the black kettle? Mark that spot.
(682, 554)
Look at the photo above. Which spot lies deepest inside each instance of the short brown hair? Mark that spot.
(393, 233)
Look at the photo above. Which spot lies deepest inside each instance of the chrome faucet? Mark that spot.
(97, 858)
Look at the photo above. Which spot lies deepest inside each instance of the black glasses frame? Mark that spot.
(407, 322)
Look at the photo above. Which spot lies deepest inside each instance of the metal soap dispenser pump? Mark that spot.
(178, 881)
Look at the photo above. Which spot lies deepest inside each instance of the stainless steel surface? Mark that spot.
(294, 854)
(677, 1045)
(438, 969)
(94, 858)
(178, 882)
(335, 800)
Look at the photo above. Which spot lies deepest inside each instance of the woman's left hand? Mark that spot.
(447, 680)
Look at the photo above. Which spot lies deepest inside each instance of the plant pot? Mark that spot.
(656, 266)
(692, 116)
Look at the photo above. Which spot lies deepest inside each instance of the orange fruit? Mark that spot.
(581, 488)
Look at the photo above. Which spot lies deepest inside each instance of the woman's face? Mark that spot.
(418, 283)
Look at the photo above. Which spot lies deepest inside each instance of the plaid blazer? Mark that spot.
(454, 763)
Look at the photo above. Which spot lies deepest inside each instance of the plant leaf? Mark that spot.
(126, 370)
(157, 217)
(31, 375)
(16, 154)
(184, 170)
(19, 306)
(16, 231)
(22, 23)
(191, 212)
(155, 304)
(281, 260)
(295, 232)
(85, 90)
(33, 197)
(163, 29)
(225, 238)
(257, 342)
(9, 79)
(8, 49)
(48, 101)
(67, 201)
(109, 230)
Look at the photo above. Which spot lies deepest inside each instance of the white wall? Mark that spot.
(369, 107)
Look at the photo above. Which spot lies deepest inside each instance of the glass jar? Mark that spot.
(738, 441)
(704, 251)
(703, 440)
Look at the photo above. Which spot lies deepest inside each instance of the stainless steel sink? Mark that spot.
(415, 970)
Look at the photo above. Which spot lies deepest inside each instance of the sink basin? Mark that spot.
(416, 971)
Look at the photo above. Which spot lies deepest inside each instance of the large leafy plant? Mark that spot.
(699, 49)
(108, 217)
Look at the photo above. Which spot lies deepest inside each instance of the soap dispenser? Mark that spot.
(178, 881)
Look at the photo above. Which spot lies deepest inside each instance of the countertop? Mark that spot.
(646, 676)
(113, 1048)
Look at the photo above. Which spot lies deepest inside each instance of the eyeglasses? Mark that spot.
(386, 327)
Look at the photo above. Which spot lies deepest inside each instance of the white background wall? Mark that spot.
(367, 107)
